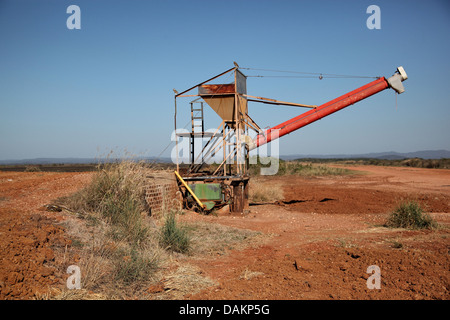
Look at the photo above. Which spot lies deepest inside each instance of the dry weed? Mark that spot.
(247, 274)
(262, 191)
(186, 280)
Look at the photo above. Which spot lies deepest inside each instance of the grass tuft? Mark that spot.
(133, 265)
(174, 237)
(410, 215)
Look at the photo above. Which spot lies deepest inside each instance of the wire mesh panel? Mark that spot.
(162, 194)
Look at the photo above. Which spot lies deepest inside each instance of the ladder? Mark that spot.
(197, 121)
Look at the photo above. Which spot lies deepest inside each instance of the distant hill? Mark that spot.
(73, 161)
(391, 155)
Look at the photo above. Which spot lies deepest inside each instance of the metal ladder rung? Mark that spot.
(198, 121)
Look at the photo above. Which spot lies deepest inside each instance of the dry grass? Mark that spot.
(66, 294)
(111, 268)
(185, 280)
(248, 274)
(32, 169)
(173, 236)
(122, 251)
(264, 191)
(304, 169)
(117, 192)
(116, 243)
(311, 170)
(208, 240)
(217, 239)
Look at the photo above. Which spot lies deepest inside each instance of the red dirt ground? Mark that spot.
(27, 235)
(322, 237)
(331, 228)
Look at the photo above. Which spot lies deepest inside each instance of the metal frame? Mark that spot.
(233, 140)
(230, 138)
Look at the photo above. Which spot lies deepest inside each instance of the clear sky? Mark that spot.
(108, 86)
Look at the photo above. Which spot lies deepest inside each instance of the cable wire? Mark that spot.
(328, 75)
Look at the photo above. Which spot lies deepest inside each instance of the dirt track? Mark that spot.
(322, 238)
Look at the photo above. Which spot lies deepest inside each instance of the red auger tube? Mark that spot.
(322, 111)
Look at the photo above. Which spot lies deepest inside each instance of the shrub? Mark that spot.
(410, 215)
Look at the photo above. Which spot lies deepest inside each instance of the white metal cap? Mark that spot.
(402, 72)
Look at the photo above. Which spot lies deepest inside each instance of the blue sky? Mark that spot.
(108, 86)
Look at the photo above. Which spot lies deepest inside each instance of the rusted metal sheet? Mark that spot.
(240, 196)
(216, 89)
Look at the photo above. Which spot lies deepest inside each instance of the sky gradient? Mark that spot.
(108, 86)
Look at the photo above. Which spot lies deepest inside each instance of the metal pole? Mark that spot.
(176, 136)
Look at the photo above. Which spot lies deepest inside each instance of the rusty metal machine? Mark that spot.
(217, 176)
